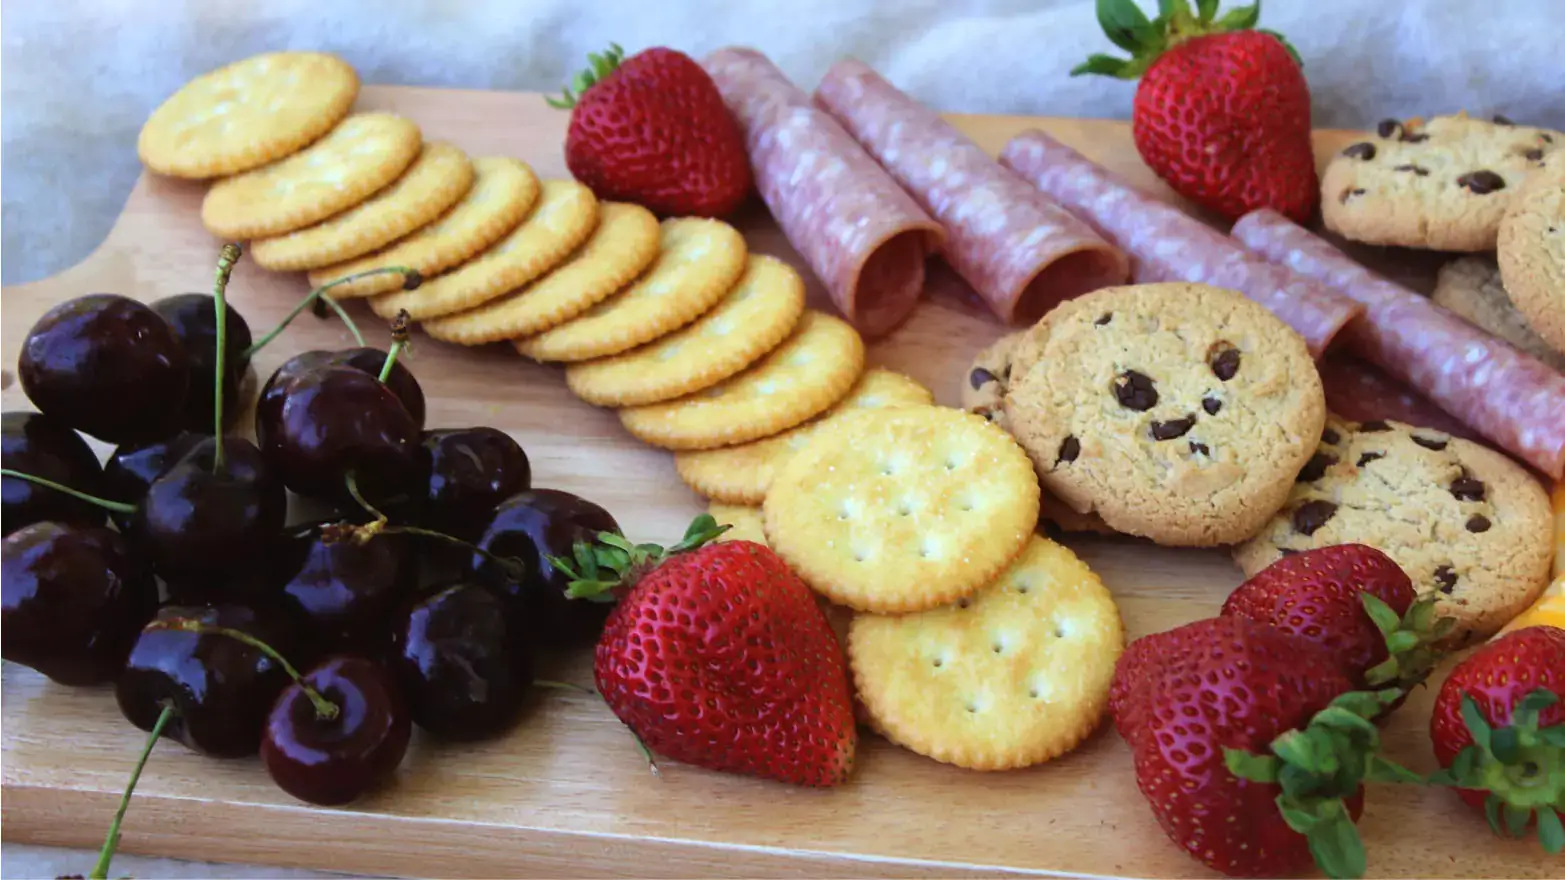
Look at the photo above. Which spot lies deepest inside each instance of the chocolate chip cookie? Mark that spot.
(1465, 522)
(1532, 252)
(1472, 288)
(1442, 184)
(1177, 412)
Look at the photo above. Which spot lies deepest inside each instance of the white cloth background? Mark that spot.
(80, 76)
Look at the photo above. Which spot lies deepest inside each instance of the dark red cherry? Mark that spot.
(332, 761)
(221, 687)
(334, 421)
(202, 525)
(400, 381)
(75, 600)
(343, 590)
(36, 444)
(131, 468)
(471, 470)
(193, 319)
(531, 526)
(268, 410)
(108, 366)
(463, 662)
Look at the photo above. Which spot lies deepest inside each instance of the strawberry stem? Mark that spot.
(599, 67)
(598, 570)
(1410, 641)
(1146, 40)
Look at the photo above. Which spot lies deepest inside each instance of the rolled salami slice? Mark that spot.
(1166, 244)
(864, 237)
(1019, 250)
(1512, 398)
(1358, 392)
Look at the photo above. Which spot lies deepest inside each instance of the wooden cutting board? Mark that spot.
(567, 793)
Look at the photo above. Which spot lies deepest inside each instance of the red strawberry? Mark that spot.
(1499, 730)
(719, 656)
(1222, 112)
(653, 129)
(1353, 601)
(1149, 653)
(1252, 749)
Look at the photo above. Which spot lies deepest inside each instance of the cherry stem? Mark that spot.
(513, 567)
(106, 504)
(325, 709)
(225, 269)
(352, 481)
(320, 293)
(399, 341)
(100, 871)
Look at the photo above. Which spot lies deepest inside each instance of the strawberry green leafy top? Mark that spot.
(1128, 28)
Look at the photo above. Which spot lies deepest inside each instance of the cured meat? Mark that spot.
(864, 237)
(1019, 250)
(1513, 399)
(1166, 244)
(1359, 392)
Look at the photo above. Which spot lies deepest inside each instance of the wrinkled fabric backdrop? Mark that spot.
(80, 77)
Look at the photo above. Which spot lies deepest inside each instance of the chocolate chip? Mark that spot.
(1500, 119)
(1435, 443)
(1421, 172)
(1388, 128)
(1374, 426)
(1534, 155)
(986, 412)
(1173, 428)
(979, 377)
(1224, 360)
(1478, 523)
(1546, 138)
(1199, 448)
(1330, 436)
(1368, 457)
(1005, 374)
(1414, 137)
(1311, 515)
(1481, 183)
(1135, 391)
(1104, 318)
(1364, 150)
(1348, 194)
(1070, 447)
(1315, 468)
(1467, 488)
(1445, 577)
(1211, 405)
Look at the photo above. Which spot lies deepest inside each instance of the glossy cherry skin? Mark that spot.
(36, 444)
(201, 525)
(337, 420)
(531, 526)
(268, 408)
(344, 591)
(220, 686)
(75, 599)
(470, 471)
(131, 468)
(333, 761)
(108, 366)
(193, 319)
(464, 664)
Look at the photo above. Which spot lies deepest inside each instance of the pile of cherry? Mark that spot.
(171, 572)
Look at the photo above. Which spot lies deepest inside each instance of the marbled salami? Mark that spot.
(1019, 250)
(1359, 392)
(1513, 399)
(1166, 244)
(864, 237)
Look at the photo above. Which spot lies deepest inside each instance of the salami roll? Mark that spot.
(1359, 392)
(1166, 244)
(1019, 250)
(864, 237)
(1515, 400)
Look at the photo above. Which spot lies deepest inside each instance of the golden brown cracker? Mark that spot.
(746, 522)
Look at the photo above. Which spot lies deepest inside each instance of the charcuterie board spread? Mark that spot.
(981, 426)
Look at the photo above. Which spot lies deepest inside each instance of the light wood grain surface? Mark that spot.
(567, 793)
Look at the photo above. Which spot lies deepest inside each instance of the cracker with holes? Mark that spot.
(1177, 412)
(1013, 676)
(744, 522)
(1443, 184)
(899, 510)
(1466, 523)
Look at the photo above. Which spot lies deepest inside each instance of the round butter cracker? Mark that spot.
(745, 522)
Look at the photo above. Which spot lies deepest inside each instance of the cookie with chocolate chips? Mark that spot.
(1532, 252)
(1177, 412)
(1443, 184)
(1465, 522)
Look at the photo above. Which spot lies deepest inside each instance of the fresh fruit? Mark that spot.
(1222, 112)
(192, 316)
(131, 468)
(653, 129)
(268, 409)
(470, 471)
(108, 366)
(1353, 601)
(719, 656)
(37, 444)
(344, 590)
(1498, 729)
(75, 599)
(220, 687)
(534, 527)
(463, 663)
(1268, 772)
(337, 732)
